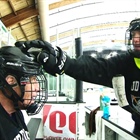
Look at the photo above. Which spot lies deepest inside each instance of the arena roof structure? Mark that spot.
(60, 21)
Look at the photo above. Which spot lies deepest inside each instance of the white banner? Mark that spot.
(59, 121)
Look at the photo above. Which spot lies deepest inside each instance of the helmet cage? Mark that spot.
(134, 25)
(41, 95)
(42, 85)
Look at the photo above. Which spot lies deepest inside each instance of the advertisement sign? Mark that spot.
(59, 122)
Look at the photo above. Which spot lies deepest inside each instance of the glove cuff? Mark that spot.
(61, 61)
(53, 63)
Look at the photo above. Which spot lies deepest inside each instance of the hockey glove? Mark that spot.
(23, 45)
(52, 59)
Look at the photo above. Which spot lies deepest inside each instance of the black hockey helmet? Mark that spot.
(133, 26)
(13, 61)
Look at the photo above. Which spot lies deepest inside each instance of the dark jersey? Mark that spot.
(12, 127)
(101, 71)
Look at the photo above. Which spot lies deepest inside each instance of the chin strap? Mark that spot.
(34, 108)
(5, 86)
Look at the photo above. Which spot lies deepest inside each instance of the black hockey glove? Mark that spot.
(23, 45)
(52, 59)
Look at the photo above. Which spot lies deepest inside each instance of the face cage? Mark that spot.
(128, 40)
(134, 25)
(41, 95)
(129, 44)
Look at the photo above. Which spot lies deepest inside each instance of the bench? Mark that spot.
(33, 127)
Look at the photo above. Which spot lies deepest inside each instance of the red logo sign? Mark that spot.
(65, 119)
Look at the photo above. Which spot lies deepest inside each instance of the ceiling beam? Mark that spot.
(12, 7)
(23, 31)
(62, 3)
(23, 14)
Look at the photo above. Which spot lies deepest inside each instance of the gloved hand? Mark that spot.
(52, 59)
(23, 45)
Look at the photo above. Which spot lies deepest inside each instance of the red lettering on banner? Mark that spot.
(62, 121)
(57, 120)
(68, 139)
(57, 138)
(46, 111)
(72, 122)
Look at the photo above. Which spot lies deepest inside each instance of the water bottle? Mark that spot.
(101, 96)
(106, 105)
(101, 104)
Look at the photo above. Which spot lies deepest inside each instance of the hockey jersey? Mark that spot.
(12, 127)
(101, 71)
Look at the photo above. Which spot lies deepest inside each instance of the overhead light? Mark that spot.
(111, 54)
(99, 49)
(93, 55)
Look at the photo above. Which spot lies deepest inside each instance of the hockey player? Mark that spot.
(22, 87)
(100, 71)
